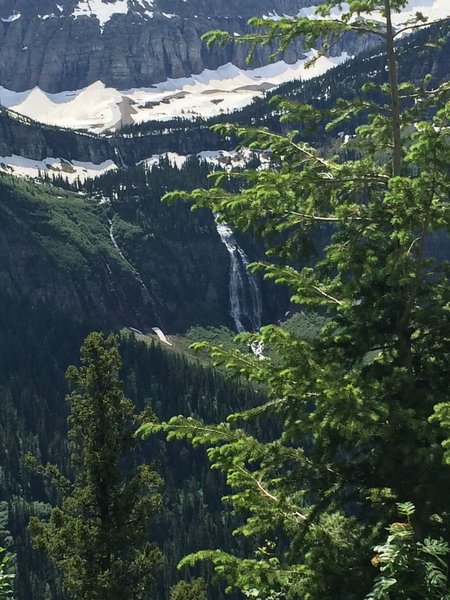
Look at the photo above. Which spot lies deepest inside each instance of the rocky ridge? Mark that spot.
(23, 137)
(68, 44)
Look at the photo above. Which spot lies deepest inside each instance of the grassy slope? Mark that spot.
(65, 226)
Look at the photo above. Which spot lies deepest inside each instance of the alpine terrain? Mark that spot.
(239, 212)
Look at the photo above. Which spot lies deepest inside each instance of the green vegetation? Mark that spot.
(402, 555)
(71, 231)
(305, 325)
(196, 590)
(38, 342)
(99, 534)
(5, 577)
(214, 335)
(345, 423)
(362, 403)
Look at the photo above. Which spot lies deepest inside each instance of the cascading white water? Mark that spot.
(255, 294)
(137, 275)
(245, 295)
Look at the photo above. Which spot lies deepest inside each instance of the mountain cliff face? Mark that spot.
(68, 44)
(100, 264)
(23, 137)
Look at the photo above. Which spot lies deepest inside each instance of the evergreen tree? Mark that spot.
(363, 406)
(99, 534)
(193, 590)
(5, 577)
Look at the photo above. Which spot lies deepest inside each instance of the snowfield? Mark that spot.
(99, 108)
(70, 170)
(75, 170)
(218, 158)
(99, 9)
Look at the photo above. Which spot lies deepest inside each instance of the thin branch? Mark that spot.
(418, 25)
(328, 219)
(374, 178)
(412, 245)
(283, 138)
(313, 217)
(258, 483)
(335, 300)
(267, 494)
(368, 30)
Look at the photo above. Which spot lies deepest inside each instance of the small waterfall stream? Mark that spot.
(137, 275)
(245, 295)
(120, 161)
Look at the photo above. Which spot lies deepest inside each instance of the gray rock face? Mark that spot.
(38, 142)
(49, 47)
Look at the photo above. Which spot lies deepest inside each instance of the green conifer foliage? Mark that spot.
(99, 534)
(363, 406)
(193, 590)
(5, 577)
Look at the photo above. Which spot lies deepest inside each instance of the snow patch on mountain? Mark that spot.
(97, 8)
(75, 170)
(94, 108)
(227, 159)
(99, 108)
(175, 159)
(12, 18)
(71, 170)
(104, 11)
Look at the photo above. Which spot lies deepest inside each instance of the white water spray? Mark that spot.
(245, 295)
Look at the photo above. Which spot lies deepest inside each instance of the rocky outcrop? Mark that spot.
(22, 137)
(53, 46)
(26, 138)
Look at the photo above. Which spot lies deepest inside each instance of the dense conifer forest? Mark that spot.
(33, 420)
(331, 443)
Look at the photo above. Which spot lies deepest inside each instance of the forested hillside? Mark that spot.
(33, 419)
(349, 500)
(62, 276)
(327, 435)
(169, 267)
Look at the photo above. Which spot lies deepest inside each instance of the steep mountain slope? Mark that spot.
(69, 44)
(22, 137)
(99, 109)
(31, 140)
(166, 268)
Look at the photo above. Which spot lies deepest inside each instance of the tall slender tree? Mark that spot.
(99, 535)
(363, 406)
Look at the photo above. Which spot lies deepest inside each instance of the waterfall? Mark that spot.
(120, 161)
(245, 295)
(136, 273)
